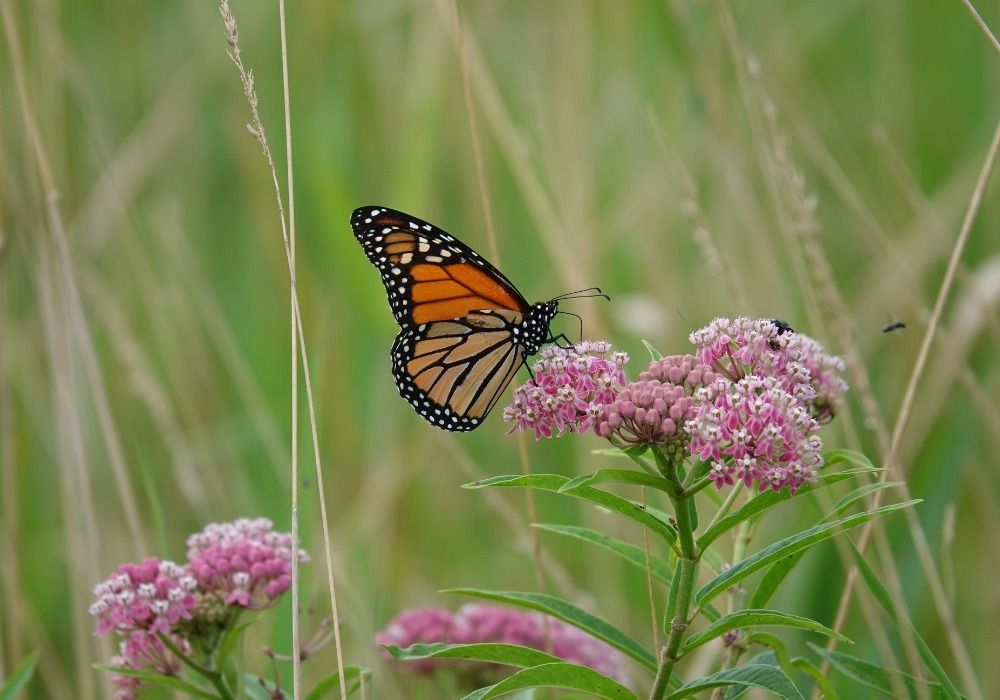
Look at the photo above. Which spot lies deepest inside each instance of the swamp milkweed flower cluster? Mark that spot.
(158, 607)
(746, 405)
(568, 389)
(484, 623)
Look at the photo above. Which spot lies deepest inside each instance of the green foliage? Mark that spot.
(605, 499)
(507, 654)
(766, 676)
(879, 677)
(788, 546)
(19, 677)
(557, 675)
(629, 552)
(742, 619)
(574, 615)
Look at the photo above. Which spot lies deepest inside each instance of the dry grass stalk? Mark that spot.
(256, 129)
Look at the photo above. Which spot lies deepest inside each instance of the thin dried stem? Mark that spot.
(256, 129)
(983, 27)
(290, 183)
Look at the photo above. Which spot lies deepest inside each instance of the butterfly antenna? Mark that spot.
(578, 318)
(587, 293)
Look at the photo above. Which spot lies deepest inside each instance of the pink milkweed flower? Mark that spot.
(569, 387)
(825, 375)
(484, 623)
(151, 596)
(244, 562)
(654, 410)
(752, 431)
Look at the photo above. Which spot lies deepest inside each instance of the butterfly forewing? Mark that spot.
(465, 329)
(428, 274)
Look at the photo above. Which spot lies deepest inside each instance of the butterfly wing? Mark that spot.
(453, 372)
(428, 274)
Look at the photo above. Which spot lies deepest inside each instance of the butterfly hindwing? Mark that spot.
(452, 372)
(428, 274)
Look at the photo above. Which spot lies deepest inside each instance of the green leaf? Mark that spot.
(757, 618)
(763, 676)
(557, 675)
(567, 612)
(768, 499)
(618, 476)
(20, 677)
(553, 482)
(885, 600)
(507, 654)
(878, 677)
(857, 494)
(765, 657)
(829, 693)
(352, 677)
(654, 354)
(858, 459)
(788, 546)
(159, 679)
(772, 578)
(629, 552)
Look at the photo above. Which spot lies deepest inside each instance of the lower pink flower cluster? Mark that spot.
(482, 623)
(231, 566)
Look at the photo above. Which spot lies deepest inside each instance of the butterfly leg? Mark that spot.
(562, 336)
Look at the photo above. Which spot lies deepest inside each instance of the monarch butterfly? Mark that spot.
(465, 329)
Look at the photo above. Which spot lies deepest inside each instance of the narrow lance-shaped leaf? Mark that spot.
(325, 686)
(886, 601)
(878, 677)
(159, 679)
(742, 619)
(764, 676)
(557, 675)
(572, 614)
(629, 552)
(507, 654)
(788, 546)
(20, 677)
(553, 482)
(618, 476)
(768, 499)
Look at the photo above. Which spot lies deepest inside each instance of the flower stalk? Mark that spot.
(212, 675)
(686, 575)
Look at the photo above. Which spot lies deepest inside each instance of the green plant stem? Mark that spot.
(692, 489)
(726, 506)
(212, 675)
(687, 576)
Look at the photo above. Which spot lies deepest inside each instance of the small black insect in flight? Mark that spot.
(895, 325)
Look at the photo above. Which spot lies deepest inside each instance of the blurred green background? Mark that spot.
(692, 158)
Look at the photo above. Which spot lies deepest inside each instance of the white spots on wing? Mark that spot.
(445, 253)
(434, 258)
(405, 258)
(413, 225)
(423, 246)
(375, 212)
(396, 270)
(368, 221)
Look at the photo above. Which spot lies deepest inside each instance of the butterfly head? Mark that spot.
(535, 329)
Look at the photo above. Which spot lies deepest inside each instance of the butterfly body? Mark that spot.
(465, 329)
